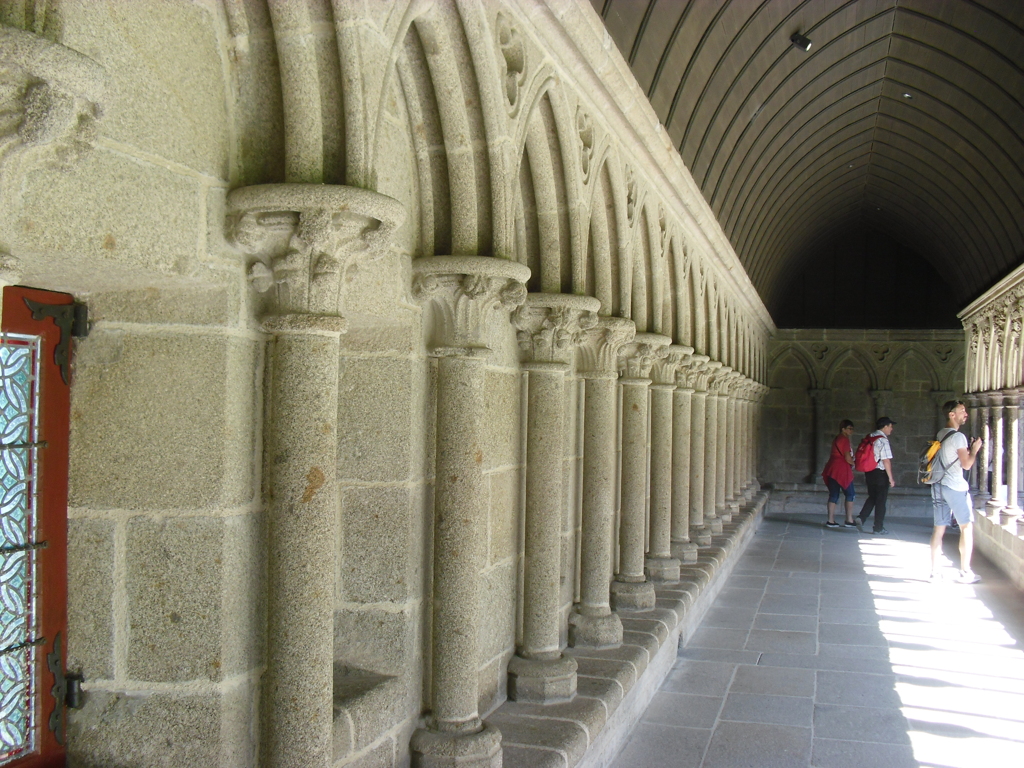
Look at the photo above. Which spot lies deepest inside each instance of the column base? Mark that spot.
(439, 749)
(702, 535)
(685, 551)
(632, 595)
(714, 524)
(1009, 515)
(662, 569)
(981, 501)
(595, 631)
(538, 681)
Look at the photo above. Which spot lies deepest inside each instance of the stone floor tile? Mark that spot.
(887, 726)
(829, 753)
(786, 622)
(851, 634)
(714, 637)
(773, 680)
(684, 710)
(778, 585)
(758, 746)
(778, 641)
(878, 652)
(858, 690)
(765, 708)
(730, 597)
(832, 614)
(748, 582)
(530, 757)
(718, 654)
(798, 605)
(729, 618)
(837, 663)
(707, 677)
(662, 746)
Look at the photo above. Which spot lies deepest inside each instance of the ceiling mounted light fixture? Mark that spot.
(908, 95)
(801, 42)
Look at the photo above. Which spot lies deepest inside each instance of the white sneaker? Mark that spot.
(968, 577)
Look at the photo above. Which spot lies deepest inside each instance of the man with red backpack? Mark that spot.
(874, 459)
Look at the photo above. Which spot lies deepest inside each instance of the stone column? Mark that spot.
(732, 446)
(819, 397)
(661, 565)
(466, 293)
(1011, 512)
(711, 466)
(592, 623)
(631, 590)
(984, 490)
(719, 389)
(699, 530)
(997, 491)
(301, 239)
(682, 548)
(973, 428)
(550, 327)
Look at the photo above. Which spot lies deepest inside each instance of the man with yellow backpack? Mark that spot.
(951, 497)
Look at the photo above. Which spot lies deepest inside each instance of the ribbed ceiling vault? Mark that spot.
(905, 117)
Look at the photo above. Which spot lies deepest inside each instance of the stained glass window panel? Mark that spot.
(18, 433)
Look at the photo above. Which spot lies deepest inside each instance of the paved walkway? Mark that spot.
(829, 648)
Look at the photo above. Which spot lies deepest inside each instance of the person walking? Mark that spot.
(880, 479)
(951, 496)
(838, 475)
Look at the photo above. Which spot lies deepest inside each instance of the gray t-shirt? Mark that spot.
(953, 478)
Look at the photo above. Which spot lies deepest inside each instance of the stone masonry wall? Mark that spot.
(820, 377)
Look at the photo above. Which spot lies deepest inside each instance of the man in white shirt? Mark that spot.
(951, 496)
(880, 479)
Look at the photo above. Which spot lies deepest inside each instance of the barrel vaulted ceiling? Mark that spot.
(906, 117)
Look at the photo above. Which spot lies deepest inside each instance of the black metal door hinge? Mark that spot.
(66, 691)
(72, 319)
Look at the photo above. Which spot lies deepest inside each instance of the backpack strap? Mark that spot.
(938, 453)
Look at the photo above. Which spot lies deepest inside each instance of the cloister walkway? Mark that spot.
(830, 648)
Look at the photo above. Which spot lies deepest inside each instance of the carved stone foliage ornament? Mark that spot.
(467, 293)
(49, 98)
(552, 325)
(306, 240)
(638, 357)
(513, 54)
(599, 353)
(664, 370)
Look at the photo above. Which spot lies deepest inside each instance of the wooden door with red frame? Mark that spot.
(35, 377)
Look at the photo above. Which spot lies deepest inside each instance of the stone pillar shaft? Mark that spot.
(986, 452)
(302, 513)
(634, 479)
(593, 624)
(1012, 509)
(698, 425)
(460, 518)
(721, 446)
(682, 404)
(996, 480)
(711, 465)
(661, 470)
(466, 293)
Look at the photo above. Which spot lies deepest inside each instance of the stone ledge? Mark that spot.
(616, 685)
(1002, 545)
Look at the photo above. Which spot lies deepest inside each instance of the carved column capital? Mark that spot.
(693, 372)
(551, 325)
(305, 239)
(49, 97)
(665, 367)
(717, 378)
(638, 356)
(467, 292)
(599, 353)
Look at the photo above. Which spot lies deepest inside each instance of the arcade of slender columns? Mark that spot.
(699, 472)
